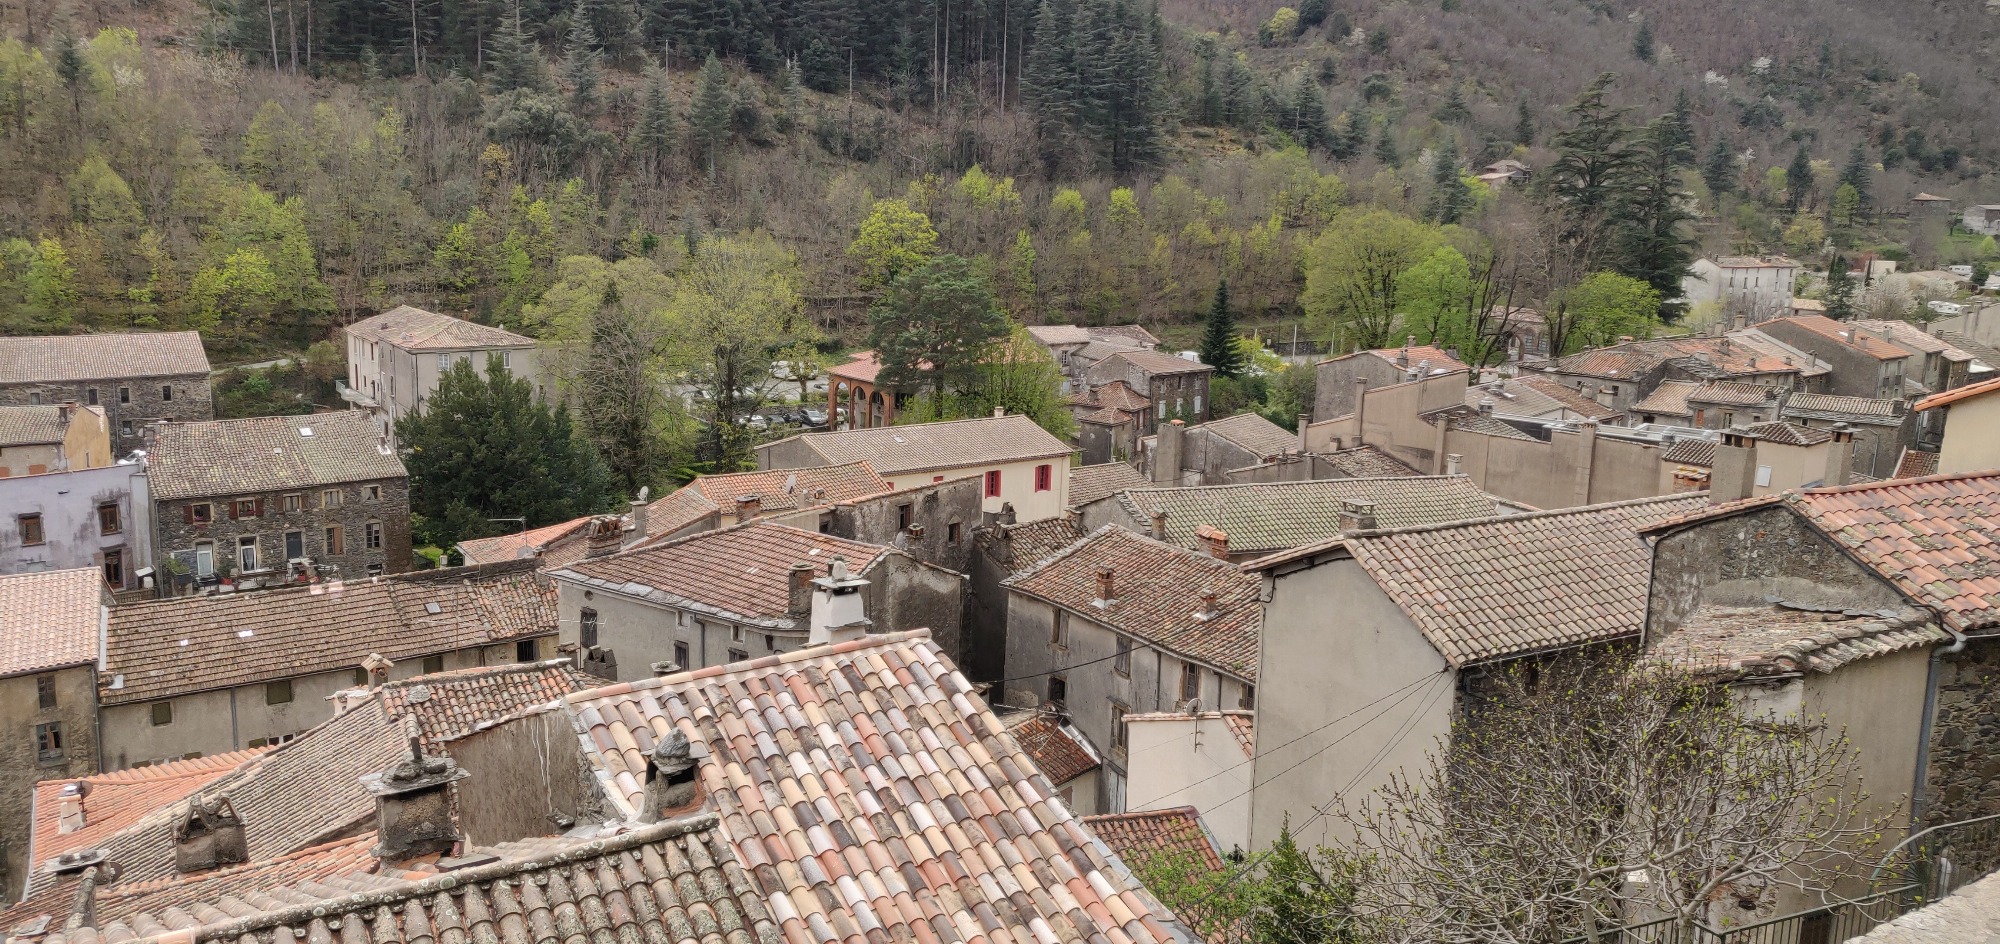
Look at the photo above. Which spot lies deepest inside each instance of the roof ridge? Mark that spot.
(868, 641)
(1529, 516)
(1181, 810)
(479, 672)
(1795, 494)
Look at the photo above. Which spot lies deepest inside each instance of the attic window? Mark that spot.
(433, 609)
(305, 432)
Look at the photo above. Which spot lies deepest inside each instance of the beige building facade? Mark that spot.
(394, 359)
(1971, 416)
(1017, 462)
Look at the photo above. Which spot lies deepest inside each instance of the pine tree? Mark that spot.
(516, 62)
(1656, 247)
(710, 113)
(1592, 172)
(653, 139)
(1385, 148)
(1642, 42)
(1839, 289)
(1682, 116)
(1308, 113)
(1798, 179)
(1346, 142)
(1449, 194)
(1454, 110)
(791, 96)
(1856, 173)
(1218, 336)
(1719, 170)
(1524, 124)
(583, 62)
(1312, 13)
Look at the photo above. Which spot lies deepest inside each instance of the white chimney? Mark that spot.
(838, 611)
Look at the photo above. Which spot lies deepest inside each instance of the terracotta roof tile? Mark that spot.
(872, 796)
(100, 357)
(742, 571)
(174, 647)
(1830, 406)
(1273, 516)
(1669, 398)
(414, 329)
(49, 619)
(1254, 434)
(1159, 589)
(860, 367)
(1058, 750)
(1019, 546)
(922, 447)
(1411, 355)
(1116, 396)
(1915, 465)
(1750, 641)
(1710, 358)
(116, 800)
(1088, 483)
(1699, 452)
(451, 705)
(1966, 392)
(1472, 421)
(508, 547)
(1844, 334)
(268, 454)
(1136, 837)
(1906, 335)
(1367, 461)
(31, 425)
(1538, 397)
(1789, 434)
(1154, 363)
(1731, 393)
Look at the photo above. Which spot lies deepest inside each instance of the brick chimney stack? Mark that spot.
(1107, 587)
(607, 534)
(748, 507)
(413, 804)
(1214, 541)
(799, 587)
(1159, 524)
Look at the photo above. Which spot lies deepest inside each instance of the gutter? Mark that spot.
(1922, 777)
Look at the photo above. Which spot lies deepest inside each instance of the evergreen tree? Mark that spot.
(1454, 110)
(1312, 13)
(1592, 173)
(583, 62)
(1524, 124)
(1656, 246)
(1300, 901)
(1682, 116)
(516, 61)
(653, 139)
(619, 398)
(1856, 173)
(1208, 103)
(1218, 336)
(935, 327)
(1093, 82)
(1449, 194)
(1840, 289)
(1798, 179)
(710, 113)
(1308, 113)
(1346, 141)
(1719, 170)
(1642, 42)
(1385, 147)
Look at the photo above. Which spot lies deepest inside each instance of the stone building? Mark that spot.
(394, 359)
(1337, 377)
(49, 647)
(1176, 387)
(276, 499)
(1078, 348)
(1213, 453)
(1882, 428)
(138, 378)
(247, 670)
(1745, 290)
(1621, 375)
(1109, 418)
(1863, 365)
(35, 440)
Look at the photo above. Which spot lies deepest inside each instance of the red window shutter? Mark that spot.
(232, 510)
(187, 513)
(993, 484)
(260, 508)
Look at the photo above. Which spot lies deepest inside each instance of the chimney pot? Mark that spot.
(672, 781)
(999, 411)
(1485, 406)
(1452, 461)
(208, 835)
(748, 507)
(800, 589)
(1209, 607)
(70, 816)
(638, 514)
(1213, 540)
(1159, 524)
(665, 668)
(1106, 587)
(607, 533)
(1357, 514)
(838, 613)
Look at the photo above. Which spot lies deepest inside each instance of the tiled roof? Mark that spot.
(1755, 262)
(1788, 434)
(1985, 353)
(1699, 452)
(1779, 351)
(414, 329)
(49, 619)
(1504, 587)
(1058, 751)
(1125, 332)
(100, 357)
(1411, 355)
(1136, 837)
(451, 705)
(1906, 335)
(1966, 392)
(1088, 483)
(1915, 465)
(1059, 334)
(871, 795)
(1254, 433)
(1158, 591)
(116, 800)
(508, 547)
(268, 454)
(922, 447)
(741, 572)
(1537, 396)
(1844, 334)
(1019, 545)
(860, 367)
(1670, 398)
(1155, 363)
(122, 908)
(174, 647)
(31, 425)
(1116, 395)
(1368, 461)
(1741, 641)
(1472, 421)
(1273, 516)
(1729, 393)
(788, 489)
(1632, 360)
(1835, 407)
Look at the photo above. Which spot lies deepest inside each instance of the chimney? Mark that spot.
(1209, 608)
(606, 535)
(999, 411)
(1167, 453)
(638, 513)
(673, 781)
(1452, 463)
(1107, 587)
(1733, 474)
(1213, 540)
(838, 611)
(1485, 406)
(1159, 524)
(65, 410)
(69, 814)
(1357, 514)
(413, 808)
(1403, 356)
(1839, 459)
(748, 507)
(377, 666)
(799, 591)
(208, 835)
(1305, 419)
(1360, 410)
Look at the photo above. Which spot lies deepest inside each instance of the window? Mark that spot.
(107, 519)
(45, 691)
(507, 360)
(1058, 688)
(681, 654)
(1118, 739)
(329, 498)
(295, 503)
(1728, 419)
(738, 655)
(1044, 478)
(993, 483)
(278, 693)
(527, 650)
(1190, 681)
(166, 393)
(360, 677)
(951, 533)
(114, 568)
(373, 533)
(246, 553)
(770, 643)
(204, 559)
(1059, 631)
(1249, 699)
(372, 492)
(246, 508)
(124, 394)
(93, 396)
(31, 529)
(1122, 662)
(1763, 476)
(125, 428)
(586, 628)
(1163, 409)
(295, 545)
(903, 517)
(444, 361)
(1197, 404)
(336, 539)
(201, 513)
(49, 742)
(735, 634)
(433, 664)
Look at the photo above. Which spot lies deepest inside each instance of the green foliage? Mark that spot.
(1093, 79)
(487, 447)
(1282, 27)
(1017, 375)
(710, 115)
(894, 239)
(1607, 306)
(1840, 289)
(1450, 197)
(1642, 42)
(1353, 273)
(1798, 179)
(1857, 174)
(1718, 170)
(934, 327)
(1304, 897)
(1218, 337)
(1435, 298)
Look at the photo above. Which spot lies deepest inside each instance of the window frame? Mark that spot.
(1045, 479)
(117, 520)
(161, 713)
(1121, 659)
(201, 513)
(1190, 682)
(1058, 688)
(432, 665)
(993, 483)
(371, 535)
(49, 747)
(31, 523)
(331, 498)
(951, 532)
(681, 653)
(905, 513)
(739, 655)
(45, 692)
(1120, 736)
(255, 559)
(336, 540)
(295, 503)
(1059, 630)
(124, 394)
(371, 493)
(114, 567)
(166, 393)
(587, 627)
(532, 648)
(279, 692)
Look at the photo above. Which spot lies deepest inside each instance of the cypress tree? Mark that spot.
(1856, 173)
(1449, 195)
(1719, 170)
(1656, 248)
(1798, 179)
(1345, 143)
(1308, 113)
(1524, 124)
(1839, 289)
(1683, 120)
(1218, 336)
(1454, 109)
(710, 113)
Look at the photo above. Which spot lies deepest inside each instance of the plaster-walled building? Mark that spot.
(1018, 462)
(100, 517)
(39, 439)
(1970, 417)
(394, 359)
(137, 379)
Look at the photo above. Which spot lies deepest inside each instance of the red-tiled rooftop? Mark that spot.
(1845, 334)
(1057, 750)
(49, 619)
(1411, 355)
(113, 801)
(1966, 392)
(1769, 641)
(742, 571)
(508, 547)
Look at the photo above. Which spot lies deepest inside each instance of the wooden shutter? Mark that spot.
(260, 507)
(187, 513)
(232, 509)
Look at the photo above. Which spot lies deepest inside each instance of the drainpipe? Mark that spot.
(1922, 782)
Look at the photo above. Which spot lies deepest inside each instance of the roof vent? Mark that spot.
(433, 609)
(208, 835)
(305, 432)
(76, 861)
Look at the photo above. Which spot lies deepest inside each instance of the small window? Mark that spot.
(951, 533)
(372, 492)
(336, 540)
(681, 654)
(124, 394)
(93, 396)
(1122, 662)
(125, 427)
(1058, 688)
(31, 529)
(738, 655)
(108, 519)
(1044, 478)
(166, 393)
(1197, 404)
(1249, 699)
(295, 503)
(163, 713)
(735, 634)
(1118, 737)
(993, 483)
(587, 628)
(373, 531)
(444, 361)
(246, 554)
(201, 512)
(329, 498)
(1163, 409)
(1763, 476)
(507, 360)
(35, 398)
(1190, 681)
(246, 508)
(527, 650)
(903, 517)
(45, 691)
(295, 545)
(49, 742)
(278, 692)
(360, 677)
(114, 568)
(433, 664)
(770, 643)
(1059, 631)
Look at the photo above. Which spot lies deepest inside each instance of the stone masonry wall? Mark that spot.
(144, 402)
(21, 761)
(174, 532)
(1964, 776)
